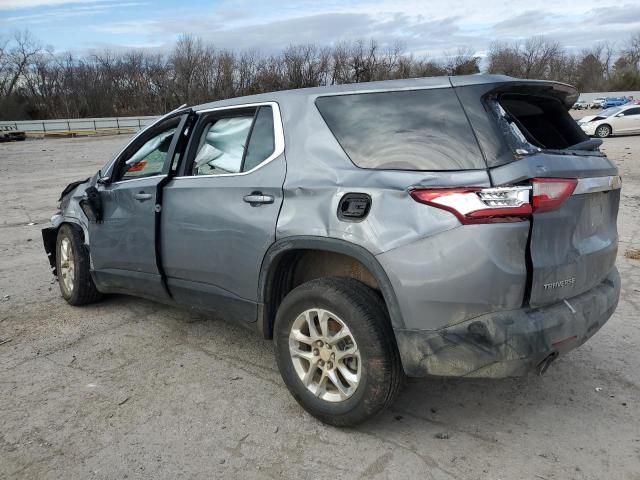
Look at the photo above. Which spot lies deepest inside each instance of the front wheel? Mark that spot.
(603, 131)
(336, 350)
(72, 267)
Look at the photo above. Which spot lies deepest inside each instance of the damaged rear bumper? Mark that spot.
(509, 343)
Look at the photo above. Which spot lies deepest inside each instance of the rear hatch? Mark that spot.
(575, 188)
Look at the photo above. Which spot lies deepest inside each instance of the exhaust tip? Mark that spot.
(544, 364)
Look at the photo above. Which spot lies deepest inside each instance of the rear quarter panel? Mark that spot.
(441, 272)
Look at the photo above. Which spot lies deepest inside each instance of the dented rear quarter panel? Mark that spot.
(442, 272)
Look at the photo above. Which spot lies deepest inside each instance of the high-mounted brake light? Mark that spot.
(499, 204)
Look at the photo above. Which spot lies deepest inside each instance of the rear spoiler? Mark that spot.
(567, 94)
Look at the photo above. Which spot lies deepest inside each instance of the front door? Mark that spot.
(219, 215)
(123, 245)
(629, 122)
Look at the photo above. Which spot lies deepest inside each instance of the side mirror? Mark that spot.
(91, 205)
(103, 180)
(620, 115)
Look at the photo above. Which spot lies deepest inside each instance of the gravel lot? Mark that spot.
(132, 389)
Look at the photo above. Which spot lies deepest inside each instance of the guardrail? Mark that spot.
(81, 126)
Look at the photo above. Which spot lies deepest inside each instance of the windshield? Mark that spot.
(609, 112)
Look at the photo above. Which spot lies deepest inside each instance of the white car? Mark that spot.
(612, 121)
(597, 103)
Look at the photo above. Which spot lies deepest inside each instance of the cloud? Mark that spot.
(432, 28)
(415, 33)
(63, 13)
(148, 27)
(24, 4)
(526, 21)
(623, 14)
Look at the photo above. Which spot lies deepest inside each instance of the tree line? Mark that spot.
(37, 83)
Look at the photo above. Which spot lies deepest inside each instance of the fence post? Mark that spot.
(68, 127)
(44, 129)
(139, 126)
(118, 124)
(95, 129)
(16, 124)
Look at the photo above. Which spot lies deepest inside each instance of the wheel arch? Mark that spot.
(276, 271)
(605, 124)
(50, 236)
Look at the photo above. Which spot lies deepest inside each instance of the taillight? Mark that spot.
(549, 193)
(479, 205)
(499, 204)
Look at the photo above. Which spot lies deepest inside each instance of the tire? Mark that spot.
(72, 266)
(373, 374)
(603, 131)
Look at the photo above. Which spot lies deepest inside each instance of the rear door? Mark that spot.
(219, 214)
(575, 194)
(123, 245)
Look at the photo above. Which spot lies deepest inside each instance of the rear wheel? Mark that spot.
(336, 351)
(603, 131)
(72, 266)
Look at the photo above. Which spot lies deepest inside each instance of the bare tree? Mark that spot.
(37, 83)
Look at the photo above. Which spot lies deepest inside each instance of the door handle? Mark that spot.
(141, 196)
(257, 198)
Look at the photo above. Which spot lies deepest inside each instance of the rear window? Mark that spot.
(541, 121)
(406, 130)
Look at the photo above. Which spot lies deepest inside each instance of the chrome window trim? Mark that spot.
(278, 135)
(598, 184)
(384, 90)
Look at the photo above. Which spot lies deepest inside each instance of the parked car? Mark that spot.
(597, 103)
(580, 105)
(610, 102)
(453, 227)
(612, 121)
(10, 133)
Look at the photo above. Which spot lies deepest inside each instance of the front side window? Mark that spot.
(632, 111)
(404, 130)
(234, 144)
(149, 159)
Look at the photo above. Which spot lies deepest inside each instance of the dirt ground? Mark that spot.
(132, 389)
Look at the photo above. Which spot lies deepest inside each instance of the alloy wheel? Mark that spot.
(67, 264)
(603, 131)
(325, 355)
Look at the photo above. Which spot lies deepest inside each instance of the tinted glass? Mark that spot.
(261, 143)
(608, 112)
(410, 130)
(149, 159)
(633, 111)
(222, 145)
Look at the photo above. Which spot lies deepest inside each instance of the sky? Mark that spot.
(426, 27)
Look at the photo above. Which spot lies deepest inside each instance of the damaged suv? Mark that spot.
(455, 227)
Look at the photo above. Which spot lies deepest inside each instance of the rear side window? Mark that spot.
(405, 130)
(236, 143)
(222, 146)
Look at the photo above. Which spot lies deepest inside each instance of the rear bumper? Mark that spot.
(509, 343)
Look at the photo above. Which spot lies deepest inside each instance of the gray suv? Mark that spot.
(453, 227)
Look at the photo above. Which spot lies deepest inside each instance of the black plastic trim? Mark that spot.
(280, 247)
